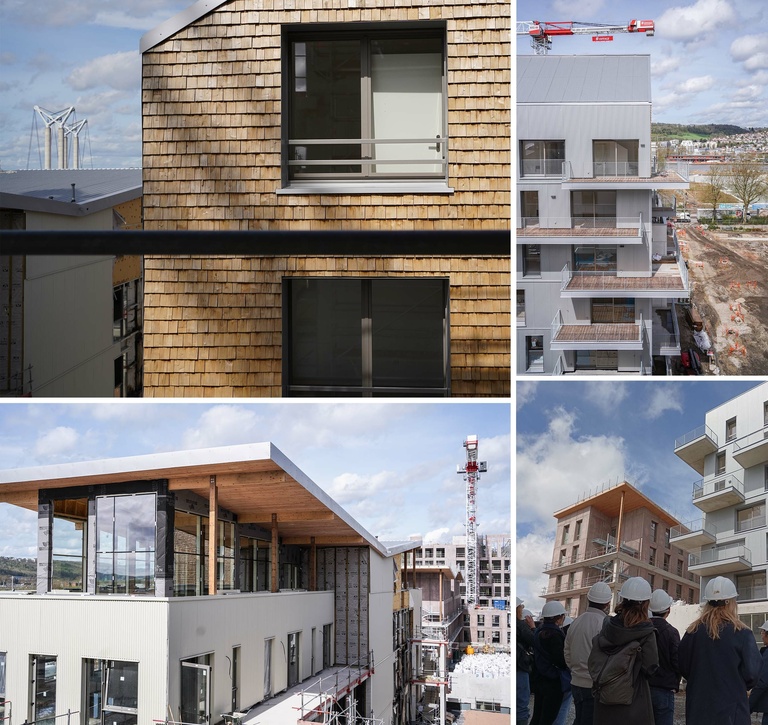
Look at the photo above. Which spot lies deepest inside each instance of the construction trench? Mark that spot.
(728, 272)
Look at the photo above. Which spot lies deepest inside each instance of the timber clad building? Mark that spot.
(284, 117)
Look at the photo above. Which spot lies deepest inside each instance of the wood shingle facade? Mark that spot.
(219, 153)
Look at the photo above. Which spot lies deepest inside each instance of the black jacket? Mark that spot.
(667, 676)
(524, 646)
(758, 698)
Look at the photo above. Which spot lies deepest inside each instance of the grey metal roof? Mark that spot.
(51, 190)
(584, 79)
(178, 22)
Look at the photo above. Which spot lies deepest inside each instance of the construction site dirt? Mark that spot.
(728, 272)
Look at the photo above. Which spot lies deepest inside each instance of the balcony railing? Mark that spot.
(702, 488)
(541, 167)
(559, 368)
(691, 528)
(592, 554)
(722, 553)
(630, 226)
(610, 281)
(615, 168)
(700, 432)
(596, 332)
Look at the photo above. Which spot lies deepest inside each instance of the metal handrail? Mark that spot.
(717, 484)
(725, 552)
(700, 432)
(748, 440)
(68, 714)
(691, 527)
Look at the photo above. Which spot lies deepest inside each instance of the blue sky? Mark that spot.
(573, 437)
(392, 466)
(709, 58)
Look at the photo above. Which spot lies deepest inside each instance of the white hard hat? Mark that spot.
(636, 589)
(599, 593)
(720, 588)
(660, 601)
(764, 626)
(519, 602)
(552, 609)
(527, 613)
(568, 620)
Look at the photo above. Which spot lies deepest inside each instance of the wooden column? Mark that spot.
(617, 560)
(440, 594)
(213, 516)
(312, 565)
(274, 553)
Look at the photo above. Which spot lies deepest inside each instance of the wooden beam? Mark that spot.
(261, 518)
(225, 480)
(213, 516)
(313, 565)
(325, 540)
(274, 553)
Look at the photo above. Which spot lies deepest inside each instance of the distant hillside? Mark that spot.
(9, 566)
(664, 131)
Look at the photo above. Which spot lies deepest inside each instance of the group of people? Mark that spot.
(625, 669)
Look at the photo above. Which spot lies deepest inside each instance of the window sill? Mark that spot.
(365, 187)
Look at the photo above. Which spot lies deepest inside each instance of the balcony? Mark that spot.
(752, 593)
(752, 450)
(665, 333)
(582, 230)
(723, 560)
(664, 280)
(625, 175)
(718, 493)
(695, 446)
(693, 535)
(596, 336)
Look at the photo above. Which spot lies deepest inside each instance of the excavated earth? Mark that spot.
(728, 271)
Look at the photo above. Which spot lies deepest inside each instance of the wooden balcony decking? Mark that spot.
(663, 277)
(599, 332)
(536, 231)
(664, 177)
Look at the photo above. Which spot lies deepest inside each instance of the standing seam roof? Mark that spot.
(584, 79)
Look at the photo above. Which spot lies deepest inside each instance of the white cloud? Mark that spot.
(438, 536)
(56, 442)
(662, 399)
(555, 468)
(696, 85)
(662, 66)
(691, 23)
(749, 92)
(138, 14)
(526, 393)
(223, 425)
(750, 50)
(120, 71)
(348, 488)
(532, 553)
(606, 396)
(577, 8)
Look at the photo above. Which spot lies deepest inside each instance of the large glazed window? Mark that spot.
(191, 560)
(542, 158)
(70, 518)
(365, 104)
(370, 337)
(615, 158)
(42, 689)
(125, 544)
(110, 692)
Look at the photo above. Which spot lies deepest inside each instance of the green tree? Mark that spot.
(714, 188)
(748, 183)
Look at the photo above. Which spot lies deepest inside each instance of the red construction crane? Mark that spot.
(541, 33)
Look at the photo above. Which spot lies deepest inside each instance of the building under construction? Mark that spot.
(610, 535)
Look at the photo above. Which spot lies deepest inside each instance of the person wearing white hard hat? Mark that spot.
(719, 659)
(629, 624)
(758, 698)
(524, 647)
(551, 679)
(578, 645)
(665, 682)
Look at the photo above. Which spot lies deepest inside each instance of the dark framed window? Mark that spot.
(534, 357)
(730, 429)
(597, 360)
(125, 544)
(595, 258)
(613, 310)
(68, 546)
(365, 337)
(110, 692)
(593, 209)
(542, 158)
(190, 554)
(529, 208)
(368, 103)
(531, 260)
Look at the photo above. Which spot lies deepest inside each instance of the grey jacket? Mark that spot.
(578, 644)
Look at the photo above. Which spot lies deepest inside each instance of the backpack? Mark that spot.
(614, 672)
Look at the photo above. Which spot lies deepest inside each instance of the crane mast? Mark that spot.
(471, 471)
(542, 32)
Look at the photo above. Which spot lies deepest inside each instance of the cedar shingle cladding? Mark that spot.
(211, 158)
(215, 326)
(211, 112)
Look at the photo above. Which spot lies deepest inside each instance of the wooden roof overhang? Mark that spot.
(253, 481)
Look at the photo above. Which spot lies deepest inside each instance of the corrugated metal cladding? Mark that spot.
(346, 572)
(583, 78)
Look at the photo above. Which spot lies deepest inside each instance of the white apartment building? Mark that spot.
(598, 267)
(183, 586)
(730, 452)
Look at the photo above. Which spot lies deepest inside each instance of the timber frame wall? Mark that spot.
(212, 161)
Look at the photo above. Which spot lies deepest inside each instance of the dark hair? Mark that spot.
(632, 612)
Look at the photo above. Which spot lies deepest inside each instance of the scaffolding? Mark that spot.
(433, 676)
